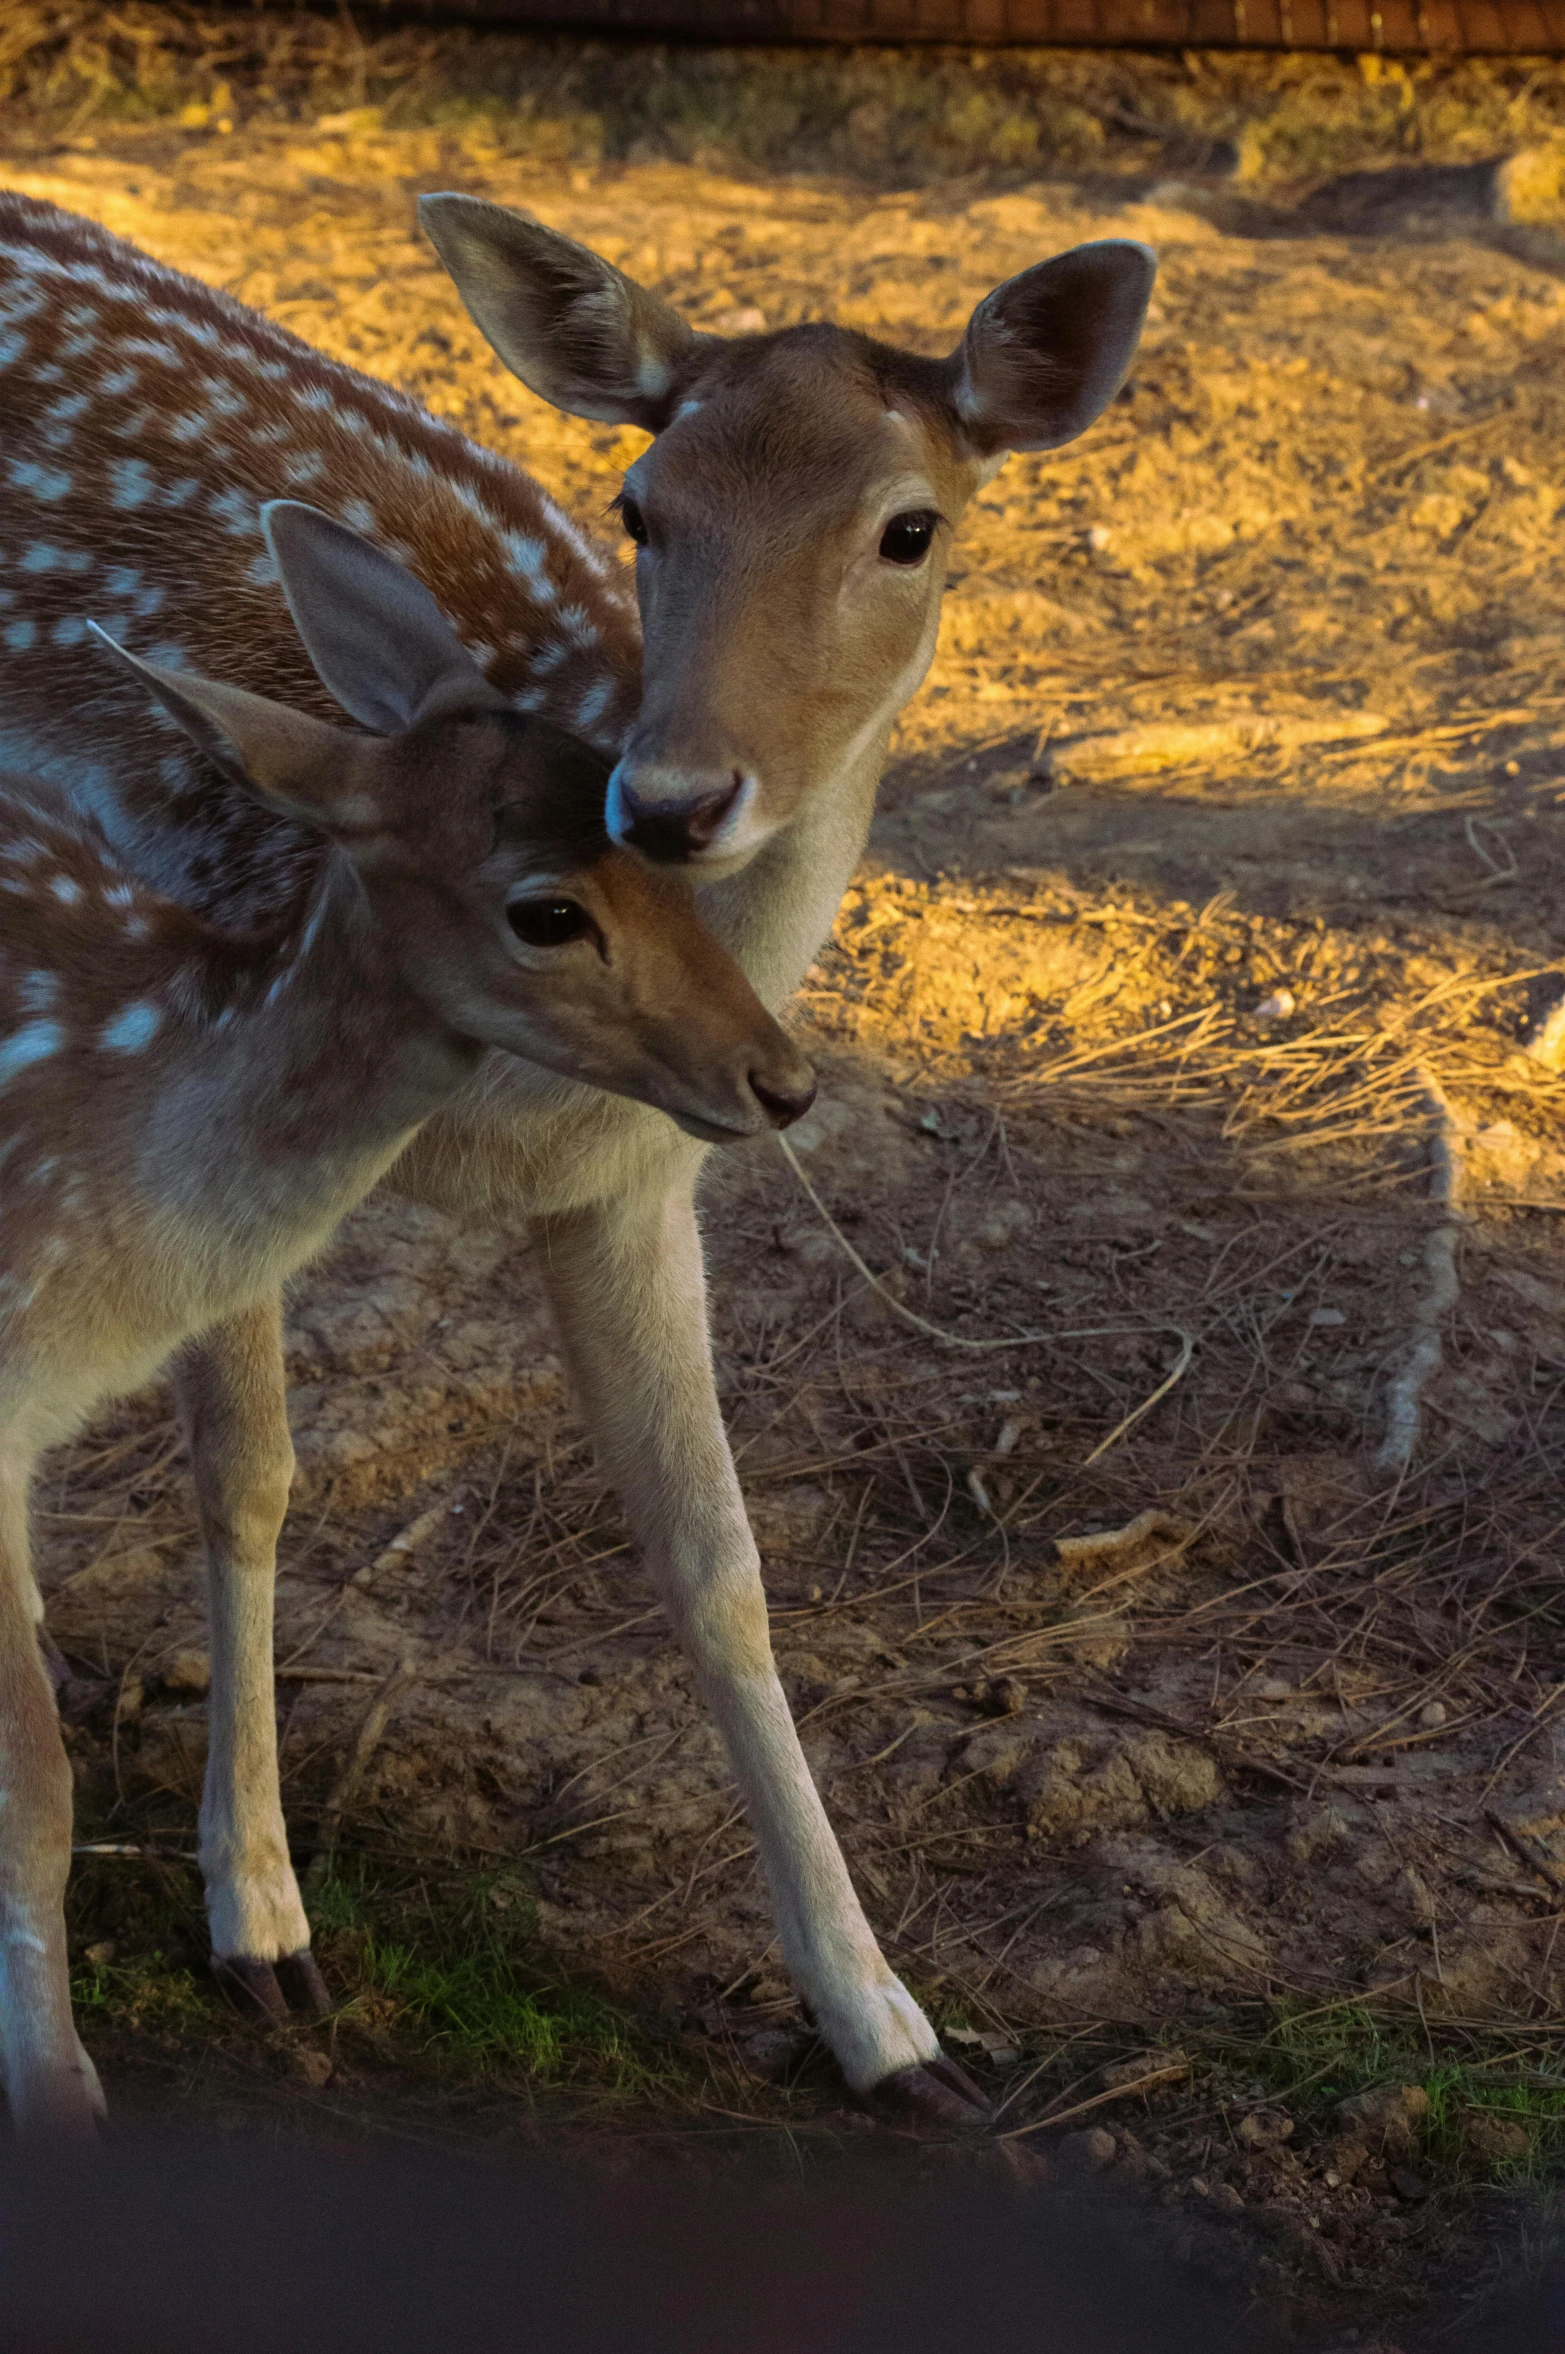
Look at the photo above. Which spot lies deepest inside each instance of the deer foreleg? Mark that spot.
(232, 1401)
(50, 2082)
(628, 1289)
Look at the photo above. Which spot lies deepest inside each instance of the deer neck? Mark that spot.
(775, 912)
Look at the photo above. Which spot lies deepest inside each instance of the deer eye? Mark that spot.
(906, 538)
(634, 521)
(548, 923)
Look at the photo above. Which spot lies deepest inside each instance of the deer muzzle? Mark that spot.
(683, 817)
(768, 1085)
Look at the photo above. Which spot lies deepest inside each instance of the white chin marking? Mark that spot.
(729, 848)
(740, 830)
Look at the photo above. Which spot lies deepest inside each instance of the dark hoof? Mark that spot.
(263, 1990)
(937, 2094)
(250, 1986)
(302, 1983)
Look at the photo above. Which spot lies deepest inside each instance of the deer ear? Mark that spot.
(297, 765)
(379, 642)
(1046, 352)
(577, 331)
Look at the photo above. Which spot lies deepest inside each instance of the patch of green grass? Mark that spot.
(1310, 2060)
(486, 2005)
(145, 1992)
(459, 1965)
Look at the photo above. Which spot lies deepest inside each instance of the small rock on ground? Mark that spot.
(1089, 2152)
(1388, 2117)
(1263, 2129)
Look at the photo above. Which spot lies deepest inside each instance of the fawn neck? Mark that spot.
(322, 1056)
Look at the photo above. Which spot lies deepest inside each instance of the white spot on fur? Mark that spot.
(239, 513)
(133, 1028)
(23, 1048)
(577, 623)
(45, 482)
(525, 556)
(130, 482)
(66, 889)
(227, 400)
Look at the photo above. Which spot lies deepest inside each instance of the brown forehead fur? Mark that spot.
(799, 410)
(546, 787)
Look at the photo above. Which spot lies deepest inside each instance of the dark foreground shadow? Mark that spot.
(185, 2247)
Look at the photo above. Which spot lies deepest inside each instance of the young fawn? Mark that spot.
(793, 518)
(187, 1111)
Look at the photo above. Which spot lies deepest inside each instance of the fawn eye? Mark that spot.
(906, 538)
(634, 521)
(548, 923)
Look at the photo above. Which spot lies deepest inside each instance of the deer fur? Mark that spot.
(186, 1112)
(146, 416)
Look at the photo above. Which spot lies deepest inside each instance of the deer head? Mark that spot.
(793, 516)
(476, 834)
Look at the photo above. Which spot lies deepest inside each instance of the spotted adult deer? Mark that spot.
(187, 1111)
(792, 519)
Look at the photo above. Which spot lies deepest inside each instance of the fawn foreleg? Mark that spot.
(233, 1404)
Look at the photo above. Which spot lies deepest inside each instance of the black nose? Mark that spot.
(675, 830)
(782, 1106)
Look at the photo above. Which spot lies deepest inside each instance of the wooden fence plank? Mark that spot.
(1401, 27)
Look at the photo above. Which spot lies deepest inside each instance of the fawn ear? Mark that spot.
(379, 642)
(1047, 351)
(297, 765)
(577, 331)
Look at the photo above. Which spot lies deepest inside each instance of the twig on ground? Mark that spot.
(957, 1340)
(1116, 2092)
(1096, 1542)
(403, 1546)
(346, 1787)
(1444, 1290)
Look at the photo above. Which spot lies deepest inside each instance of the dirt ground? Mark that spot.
(1189, 1066)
